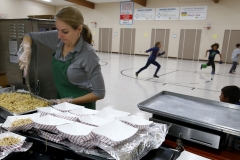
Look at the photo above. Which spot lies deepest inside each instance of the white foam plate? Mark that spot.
(48, 110)
(135, 120)
(65, 114)
(51, 120)
(93, 120)
(75, 129)
(83, 112)
(109, 113)
(116, 131)
(65, 107)
(10, 134)
(10, 119)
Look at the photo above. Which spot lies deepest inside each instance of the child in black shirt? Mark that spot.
(212, 53)
(230, 94)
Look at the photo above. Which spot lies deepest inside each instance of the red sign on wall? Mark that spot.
(126, 13)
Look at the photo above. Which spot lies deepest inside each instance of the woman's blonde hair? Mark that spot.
(73, 17)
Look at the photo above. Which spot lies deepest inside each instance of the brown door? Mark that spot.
(105, 40)
(161, 35)
(189, 44)
(127, 40)
(234, 38)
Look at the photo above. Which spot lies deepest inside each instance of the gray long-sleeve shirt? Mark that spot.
(85, 70)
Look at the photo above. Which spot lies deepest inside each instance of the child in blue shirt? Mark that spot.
(212, 53)
(152, 59)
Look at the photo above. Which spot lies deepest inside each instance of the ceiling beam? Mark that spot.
(216, 1)
(83, 3)
(141, 2)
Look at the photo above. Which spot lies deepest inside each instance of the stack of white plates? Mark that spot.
(83, 112)
(66, 107)
(114, 133)
(109, 113)
(49, 123)
(136, 121)
(93, 120)
(77, 133)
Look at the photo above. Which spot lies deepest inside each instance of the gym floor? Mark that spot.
(124, 91)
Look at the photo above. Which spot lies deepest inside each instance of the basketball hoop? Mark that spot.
(94, 24)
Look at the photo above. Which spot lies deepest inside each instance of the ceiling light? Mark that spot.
(47, 0)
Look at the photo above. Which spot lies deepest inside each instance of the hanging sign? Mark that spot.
(167, 13)
(144, 14)
(193, 13)
(126, 13)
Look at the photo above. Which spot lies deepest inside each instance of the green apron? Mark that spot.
(65, 89)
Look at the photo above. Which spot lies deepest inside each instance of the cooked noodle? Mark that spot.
(21, 122)
(7, 141)
(19, 103)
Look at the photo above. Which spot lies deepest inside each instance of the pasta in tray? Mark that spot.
(21, 122)
(20, 103)
(8, 141)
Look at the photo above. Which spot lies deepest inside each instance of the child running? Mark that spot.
(152, 59)
(235, 59)
(212, 53)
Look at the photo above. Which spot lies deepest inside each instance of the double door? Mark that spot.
(161, 35)
(189, 44)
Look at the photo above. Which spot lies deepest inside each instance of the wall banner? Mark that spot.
(193, 13)
(167, 13)
(126, 13)
(144, 14)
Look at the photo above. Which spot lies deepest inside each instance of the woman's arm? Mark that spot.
(49, 38)
(92, 67)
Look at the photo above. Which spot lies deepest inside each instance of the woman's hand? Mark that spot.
(58, 101)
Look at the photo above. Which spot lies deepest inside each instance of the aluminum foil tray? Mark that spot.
(4, 113)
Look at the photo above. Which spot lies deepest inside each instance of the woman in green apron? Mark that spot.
(75, 65)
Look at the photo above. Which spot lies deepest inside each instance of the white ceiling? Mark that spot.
(64, 3)
(56, 2)
(106, 1)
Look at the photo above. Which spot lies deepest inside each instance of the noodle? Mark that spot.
(19, 103)
(8, 141)
(21, 122)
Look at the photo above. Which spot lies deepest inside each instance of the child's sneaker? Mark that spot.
(201, 66)
(213, 72)
(136, 74)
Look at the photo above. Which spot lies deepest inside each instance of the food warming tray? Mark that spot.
(206, 113)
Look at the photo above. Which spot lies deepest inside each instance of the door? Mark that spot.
(105, 40)
(231, 38)
(127, 40)
(189, 44)
(161, 35)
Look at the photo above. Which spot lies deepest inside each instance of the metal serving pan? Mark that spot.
(4, 113)
(210, 114)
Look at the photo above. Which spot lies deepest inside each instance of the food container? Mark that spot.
(8, 123)
(4, 113)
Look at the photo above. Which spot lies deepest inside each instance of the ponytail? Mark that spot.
(86, 33)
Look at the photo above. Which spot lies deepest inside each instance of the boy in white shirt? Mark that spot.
(235, 59)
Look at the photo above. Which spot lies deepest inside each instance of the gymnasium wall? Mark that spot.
(23, 8)
(224, 15)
